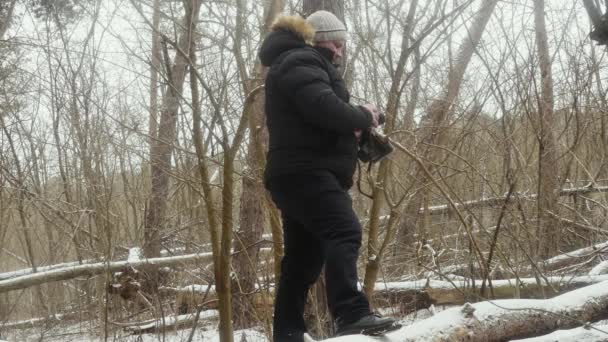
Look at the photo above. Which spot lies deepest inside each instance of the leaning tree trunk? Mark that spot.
(162, 148)
(252, 210)
(548, 231)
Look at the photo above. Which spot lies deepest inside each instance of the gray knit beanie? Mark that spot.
(327, 26)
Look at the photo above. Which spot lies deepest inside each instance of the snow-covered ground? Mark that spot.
(480, 320)
(206, 332)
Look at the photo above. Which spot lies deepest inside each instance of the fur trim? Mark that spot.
(295, 24)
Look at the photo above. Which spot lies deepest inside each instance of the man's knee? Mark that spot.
(302, 271)
(346, 230)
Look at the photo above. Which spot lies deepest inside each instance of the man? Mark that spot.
(311, 161)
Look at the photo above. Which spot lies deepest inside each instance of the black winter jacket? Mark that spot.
(310, 121)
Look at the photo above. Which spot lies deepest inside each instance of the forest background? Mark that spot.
(134, 130)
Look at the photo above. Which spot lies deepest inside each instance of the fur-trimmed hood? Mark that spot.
(287, 32)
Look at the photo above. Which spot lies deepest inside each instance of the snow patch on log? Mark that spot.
(135, 254)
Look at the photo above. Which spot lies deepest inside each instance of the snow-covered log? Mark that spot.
(587, 333)
(601, 268)
(456, 291)
(28, 323)
(567, 258)
(503, 320)
(411, 295)
(171, 322)
(26, 271)
(70, 272)
(497, 201)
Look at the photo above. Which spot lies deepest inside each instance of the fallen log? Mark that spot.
(171, 322)
(498, 201)
(554, 263)
(503, 320)
(410, 295)
(26, 271)
(418, 294)
(38, 321)
(573, 256)
(587, 333)
(601, 268)
(62, 272)
(70, 272)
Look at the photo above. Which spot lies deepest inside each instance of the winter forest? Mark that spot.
(133, 143)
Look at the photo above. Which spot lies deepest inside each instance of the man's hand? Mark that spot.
(375, 114)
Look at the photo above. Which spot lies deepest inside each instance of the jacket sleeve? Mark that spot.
(306, 82)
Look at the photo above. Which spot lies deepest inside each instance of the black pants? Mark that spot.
(320, 228)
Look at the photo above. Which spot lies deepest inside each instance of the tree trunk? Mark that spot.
(334, 6)
(252, 210)
(548, 231)
(154, 70)
(162, 148)
(375, 253)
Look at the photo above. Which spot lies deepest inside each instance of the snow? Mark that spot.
(135, 254)
(206, 331)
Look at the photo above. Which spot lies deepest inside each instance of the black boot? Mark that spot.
(372, 324)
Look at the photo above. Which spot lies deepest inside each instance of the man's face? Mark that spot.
(336, 46)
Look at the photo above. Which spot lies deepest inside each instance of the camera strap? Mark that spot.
(369, 170)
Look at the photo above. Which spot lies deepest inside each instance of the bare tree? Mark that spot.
(162, 148)
(155, 66)
(253, 206)
(548, 183)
